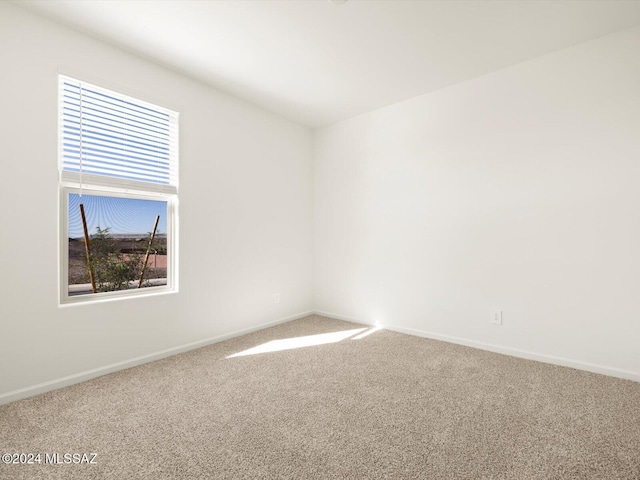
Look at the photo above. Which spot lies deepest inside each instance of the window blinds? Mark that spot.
(115, 140)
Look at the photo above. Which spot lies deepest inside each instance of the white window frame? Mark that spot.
(87, 184)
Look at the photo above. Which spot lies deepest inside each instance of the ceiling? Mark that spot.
(317, 62)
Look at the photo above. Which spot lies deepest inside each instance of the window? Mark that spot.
(118, 164)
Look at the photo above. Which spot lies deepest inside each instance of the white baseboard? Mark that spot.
(514, 352)
(114, 367)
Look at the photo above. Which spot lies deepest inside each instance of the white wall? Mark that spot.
(519, 191)
(245, 213)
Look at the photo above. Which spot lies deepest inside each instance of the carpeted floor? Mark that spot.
(342, 405)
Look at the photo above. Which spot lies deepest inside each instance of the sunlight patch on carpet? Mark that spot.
(299, 342)
(367, 333)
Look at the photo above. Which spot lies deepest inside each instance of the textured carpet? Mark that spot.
(344, 405)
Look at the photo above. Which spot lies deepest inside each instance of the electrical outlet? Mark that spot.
(496, 317)
(276, 298)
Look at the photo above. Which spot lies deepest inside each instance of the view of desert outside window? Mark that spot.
(119, 231)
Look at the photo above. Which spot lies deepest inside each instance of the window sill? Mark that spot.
(70, 300)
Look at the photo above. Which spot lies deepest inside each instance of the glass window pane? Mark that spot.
(119, 234)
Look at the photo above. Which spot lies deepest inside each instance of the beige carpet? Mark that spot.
(385, 405)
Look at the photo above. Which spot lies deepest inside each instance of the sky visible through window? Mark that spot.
(120, 215)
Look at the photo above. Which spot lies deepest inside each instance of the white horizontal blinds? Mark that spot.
(105, 134)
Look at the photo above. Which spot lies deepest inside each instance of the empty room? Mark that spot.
(300, 239)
